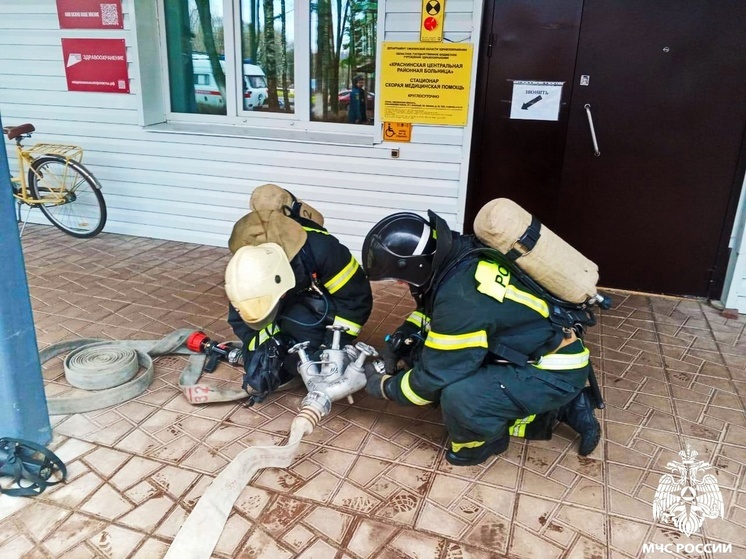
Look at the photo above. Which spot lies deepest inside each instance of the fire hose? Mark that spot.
(107, 372)
(338, 374)
(201, 531)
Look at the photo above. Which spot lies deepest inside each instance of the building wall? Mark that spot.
(188, 183)
(191, 183)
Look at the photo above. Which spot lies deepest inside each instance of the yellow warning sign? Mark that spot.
(425, 83)
(397, 131)
(431, 28)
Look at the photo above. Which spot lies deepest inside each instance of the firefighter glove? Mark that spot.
(262, 370)
(376, 386)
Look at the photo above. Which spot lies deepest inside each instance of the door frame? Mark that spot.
(480, 102)
(725, 259)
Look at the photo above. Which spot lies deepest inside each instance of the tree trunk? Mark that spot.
(270, 55)
(254, 32)
(284, 48)
(205, 22)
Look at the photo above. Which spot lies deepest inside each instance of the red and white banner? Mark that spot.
(90, 14)
(96, 65)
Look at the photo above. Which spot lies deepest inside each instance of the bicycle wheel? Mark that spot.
(74, 203)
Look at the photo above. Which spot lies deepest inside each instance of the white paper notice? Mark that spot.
(536, 100)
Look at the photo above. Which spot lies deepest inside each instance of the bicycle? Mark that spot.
(52, 178)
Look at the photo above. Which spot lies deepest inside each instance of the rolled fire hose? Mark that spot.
(106, 372)
(201, 531)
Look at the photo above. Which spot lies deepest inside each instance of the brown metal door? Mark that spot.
(666, 87)
(521, 159)
(667, 95)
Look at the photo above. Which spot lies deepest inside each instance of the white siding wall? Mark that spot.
(190, 187)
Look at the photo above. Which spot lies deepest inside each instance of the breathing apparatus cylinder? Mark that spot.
(544, 256)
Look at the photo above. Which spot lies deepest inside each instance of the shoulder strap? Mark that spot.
(30, 462)
(562, 313)
(293, 211)
(309, 263)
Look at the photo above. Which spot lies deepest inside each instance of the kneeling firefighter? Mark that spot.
(488, 354)
(287, 281)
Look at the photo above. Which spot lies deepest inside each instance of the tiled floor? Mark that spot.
(370, 482)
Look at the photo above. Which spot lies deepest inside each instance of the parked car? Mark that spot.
(344, 100)
(206, 89)
(255, 86)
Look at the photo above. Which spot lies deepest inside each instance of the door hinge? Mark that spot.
(490, 42)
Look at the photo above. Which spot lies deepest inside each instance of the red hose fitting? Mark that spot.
(195, 340)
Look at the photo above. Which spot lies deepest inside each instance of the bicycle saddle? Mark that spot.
(14, 131)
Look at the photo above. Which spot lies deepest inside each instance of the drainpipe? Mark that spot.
(23, 406)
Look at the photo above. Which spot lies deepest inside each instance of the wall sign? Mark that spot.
(397, 131)
(90, 14)
(425, 83)
(431, 28)
(536, 100)
(96, 65)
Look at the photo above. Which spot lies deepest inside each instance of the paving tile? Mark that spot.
(115, 542)
(74, 529)
(370, 482)
(17, 547)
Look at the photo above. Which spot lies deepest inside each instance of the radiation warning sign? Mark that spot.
(426, 83)
(433, 12)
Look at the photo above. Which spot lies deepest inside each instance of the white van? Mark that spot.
(206, 90)
(254, 87)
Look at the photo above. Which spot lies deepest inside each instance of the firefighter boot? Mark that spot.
(578, 414)
(472, 456)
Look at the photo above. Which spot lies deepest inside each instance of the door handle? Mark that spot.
(596, 151)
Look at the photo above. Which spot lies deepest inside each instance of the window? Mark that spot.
(224, 59)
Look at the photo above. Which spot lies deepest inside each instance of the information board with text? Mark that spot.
(426, 83)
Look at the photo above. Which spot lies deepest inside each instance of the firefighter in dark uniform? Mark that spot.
(478, 326)
(287, 281)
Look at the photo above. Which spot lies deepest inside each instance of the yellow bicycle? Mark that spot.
(52, 178)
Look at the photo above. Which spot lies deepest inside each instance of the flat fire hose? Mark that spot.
(106, 372)
(201, 531)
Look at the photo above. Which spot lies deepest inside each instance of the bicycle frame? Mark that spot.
(26, 158)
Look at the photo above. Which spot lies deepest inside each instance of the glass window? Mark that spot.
(224, 59)
(268, 54)
(195, 48)
(343, 60)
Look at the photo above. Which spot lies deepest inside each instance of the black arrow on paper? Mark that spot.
(533, 101)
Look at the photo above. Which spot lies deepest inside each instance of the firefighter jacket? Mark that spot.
(476, 315)
(356, 110)
(341, 296)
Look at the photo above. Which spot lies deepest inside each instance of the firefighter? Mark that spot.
(488, 354)
(356, 109)
(287, 281)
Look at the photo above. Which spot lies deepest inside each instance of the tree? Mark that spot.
(284, 51)
(270, 67)
(205, 21)
(251, 50)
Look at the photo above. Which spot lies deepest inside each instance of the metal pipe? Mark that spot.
(23, 405)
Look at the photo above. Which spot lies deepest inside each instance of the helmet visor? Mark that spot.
(382, 264)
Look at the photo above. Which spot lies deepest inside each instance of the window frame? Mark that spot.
(299, 122)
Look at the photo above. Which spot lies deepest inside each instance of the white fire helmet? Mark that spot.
(255, 280)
